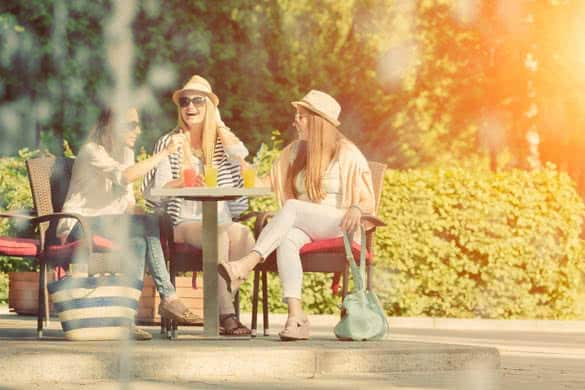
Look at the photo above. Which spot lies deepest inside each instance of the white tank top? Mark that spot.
(330, 182)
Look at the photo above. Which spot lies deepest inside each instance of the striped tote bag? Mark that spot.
(96, 307)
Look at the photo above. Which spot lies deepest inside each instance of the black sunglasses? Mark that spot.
(185, 101)
(130, 126)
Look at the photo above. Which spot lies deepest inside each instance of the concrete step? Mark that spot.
(24, 359)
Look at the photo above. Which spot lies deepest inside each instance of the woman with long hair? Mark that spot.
(210, 144)
(324, 184)
(101, 190)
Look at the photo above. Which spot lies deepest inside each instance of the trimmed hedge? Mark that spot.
(473, 243)
(15, 195)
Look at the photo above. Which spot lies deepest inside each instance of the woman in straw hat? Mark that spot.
(323, 183)
(209, 143)
(101, 190)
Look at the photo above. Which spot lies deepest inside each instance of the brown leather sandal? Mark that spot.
(236, 328)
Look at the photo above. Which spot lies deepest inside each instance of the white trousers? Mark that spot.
(295, 225)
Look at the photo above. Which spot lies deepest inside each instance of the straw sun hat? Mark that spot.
(196, 84)
(321, 104)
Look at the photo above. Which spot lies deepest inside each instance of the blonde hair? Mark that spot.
(322, 137)
(209, 133)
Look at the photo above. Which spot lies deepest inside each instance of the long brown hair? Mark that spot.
(322, 137)
(103, 131)
(209, 133)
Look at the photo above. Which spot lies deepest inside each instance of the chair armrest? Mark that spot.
(246, 216)
(87, 234)
(26, 214)
(261, 220)
(372, 220)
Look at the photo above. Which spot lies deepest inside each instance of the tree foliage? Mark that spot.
(397, 68)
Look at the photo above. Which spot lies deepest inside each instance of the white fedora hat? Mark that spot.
(321, 104)
(196, 84)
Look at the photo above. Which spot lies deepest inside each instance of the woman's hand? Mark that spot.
(351, 220)
(175, 142)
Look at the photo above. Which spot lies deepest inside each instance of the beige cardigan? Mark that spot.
(356, 177)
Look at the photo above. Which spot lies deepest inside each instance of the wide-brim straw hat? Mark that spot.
(196, 84)
(321, 104)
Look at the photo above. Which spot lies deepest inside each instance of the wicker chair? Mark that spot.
(49, 179)
(325, 256)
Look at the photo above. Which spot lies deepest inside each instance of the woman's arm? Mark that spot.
(141, 168)
(234, 148)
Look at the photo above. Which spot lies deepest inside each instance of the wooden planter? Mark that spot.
(23, 294)
(149, 300)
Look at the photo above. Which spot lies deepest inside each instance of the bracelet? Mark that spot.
(355, 206)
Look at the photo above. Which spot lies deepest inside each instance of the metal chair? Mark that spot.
(324, 256)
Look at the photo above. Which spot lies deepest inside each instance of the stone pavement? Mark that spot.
(423, 355)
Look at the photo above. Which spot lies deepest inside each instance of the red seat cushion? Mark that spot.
(65, 252)
(334, 245)
(19, 247)
(187, 249)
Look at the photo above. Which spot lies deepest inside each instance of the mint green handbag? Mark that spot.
(362, 315)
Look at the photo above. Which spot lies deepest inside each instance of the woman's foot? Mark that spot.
(176, 310)
(231, 326)
(295, 328)
(236, 272)
(140, 334)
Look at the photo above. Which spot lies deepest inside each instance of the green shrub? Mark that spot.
(3, 288)
(473, 243)
(15, 195)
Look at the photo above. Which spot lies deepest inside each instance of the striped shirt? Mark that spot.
(228, 176)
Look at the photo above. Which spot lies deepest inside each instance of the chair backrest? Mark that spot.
(49, 179)
(378, 170)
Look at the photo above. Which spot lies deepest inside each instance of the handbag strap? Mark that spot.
(357, 274)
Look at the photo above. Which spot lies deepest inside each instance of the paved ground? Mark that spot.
(530, 360)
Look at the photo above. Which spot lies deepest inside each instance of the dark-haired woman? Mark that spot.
(101, 190)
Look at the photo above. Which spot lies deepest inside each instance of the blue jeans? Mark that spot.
(139, 237)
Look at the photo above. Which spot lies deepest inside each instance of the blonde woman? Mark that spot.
(209, 143)
(323, 183)
(101, 190)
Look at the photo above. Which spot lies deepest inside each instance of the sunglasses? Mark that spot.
(130, 126)
(197, 101)
(300, 116)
